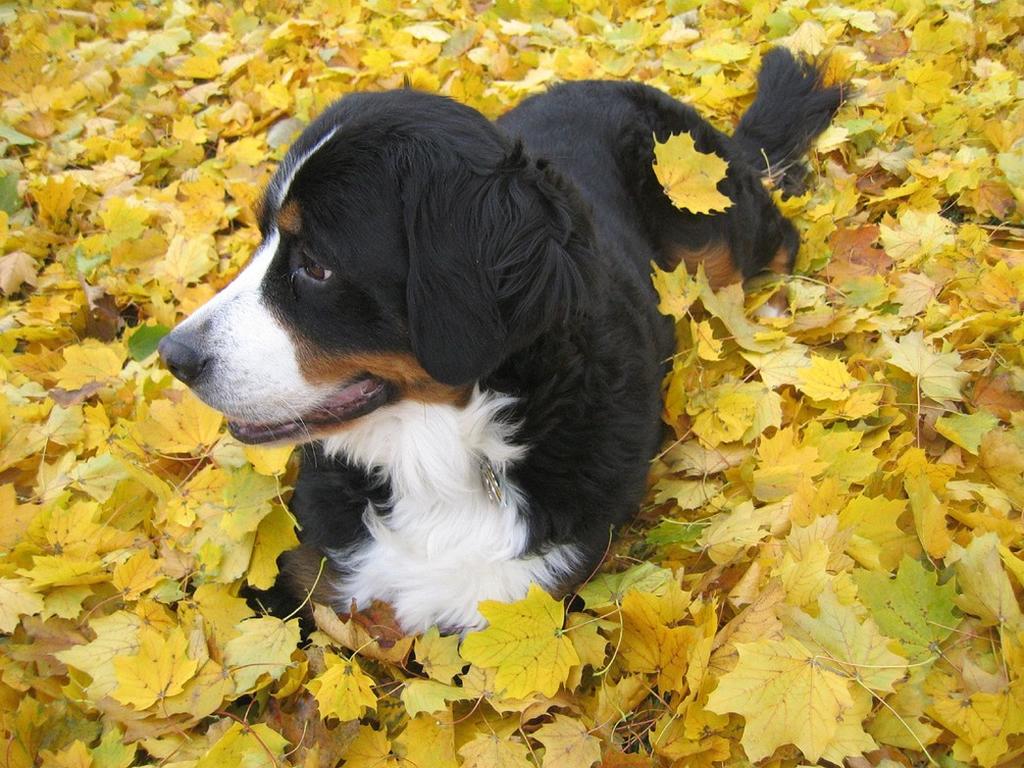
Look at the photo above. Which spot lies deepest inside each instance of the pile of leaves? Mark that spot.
(829, 567)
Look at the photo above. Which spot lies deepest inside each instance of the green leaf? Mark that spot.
(9, 200)
(14, 136)
(143, 342)
(912, 608)
(966, 431)
(608, 588)
(676, 532)
(849, 641)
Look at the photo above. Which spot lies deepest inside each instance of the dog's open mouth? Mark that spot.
(355, 399)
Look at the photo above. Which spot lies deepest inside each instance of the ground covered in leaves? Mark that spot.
(829, 568)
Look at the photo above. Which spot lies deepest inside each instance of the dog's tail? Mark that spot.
(791, 108)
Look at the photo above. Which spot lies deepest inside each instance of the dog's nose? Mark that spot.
(182, 359)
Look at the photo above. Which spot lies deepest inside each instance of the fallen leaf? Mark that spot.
(524, 641)
(690, 177)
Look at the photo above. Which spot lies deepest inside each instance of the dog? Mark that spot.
(456, 320)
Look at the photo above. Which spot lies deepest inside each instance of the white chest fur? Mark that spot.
(446, 543)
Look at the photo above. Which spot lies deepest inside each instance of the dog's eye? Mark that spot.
(313, 270)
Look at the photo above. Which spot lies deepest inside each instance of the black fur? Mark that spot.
(517, 255)
(791, 108)
(506, 250)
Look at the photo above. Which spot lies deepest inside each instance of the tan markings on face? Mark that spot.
(402, 370)
(260, 207)
(717, 261)
(302, 572)
(781, 261)
(289, 218)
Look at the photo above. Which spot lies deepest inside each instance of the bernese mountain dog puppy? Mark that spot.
(455, 317)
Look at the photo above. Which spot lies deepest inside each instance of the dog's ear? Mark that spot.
(496, 256)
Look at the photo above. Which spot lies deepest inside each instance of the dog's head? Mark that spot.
(408, 249)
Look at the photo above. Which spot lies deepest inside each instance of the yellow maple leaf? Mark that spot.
(275, 534)
(708, 347)
(430, 696)
(439, 656)
(731, 532)
(263, 646)
(850, 738)
(728, 306)
(428, 740)
(343, 691)
(689, 737)
(982, 721)
(916, 235)
(936, 372)
(90, 361)
(117, 636)
(525, 643)
(690, 177)
(187, 426)
(687, 494)
(567, 744)
(63, 570)
(250, 150)
(17, 599)
(1002, 457)
(187, 260)
(783, 464)
(825, 379)
(159, 669)
(185, 129)
(787, 696)
(136, 574)
(200, 67)
(728, 414)
(268, 461)
(245, 745)
(854, 644)
(221, 611)
(929, 515)
(809, 38)
(676, 291)
(16, 269)
(56, 197)
(488, 750)
(16, 516)
(986, 589)
(861, 402)
(876, 540)
(370, 749)
(123, 221)
(779, 366)
(203, 694)
(648, 643)
(591, 646)
(804, 573)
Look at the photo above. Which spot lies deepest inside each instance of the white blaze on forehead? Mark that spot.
(255, 373)
(286, 173)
